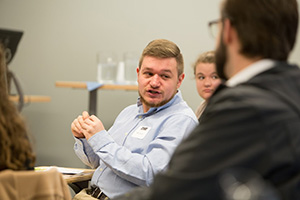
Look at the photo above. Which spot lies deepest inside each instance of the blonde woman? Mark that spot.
(206, 77)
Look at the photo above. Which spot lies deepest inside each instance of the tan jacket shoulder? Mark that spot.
(31, 185)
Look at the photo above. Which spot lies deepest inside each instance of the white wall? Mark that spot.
(61, 40)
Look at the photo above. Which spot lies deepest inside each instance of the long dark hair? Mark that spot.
(16, 151)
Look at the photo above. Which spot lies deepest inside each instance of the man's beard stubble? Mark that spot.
(152, 105)
(221, 59)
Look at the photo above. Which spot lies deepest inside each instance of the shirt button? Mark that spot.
(101, 169)
(140, 117)
(126, 133)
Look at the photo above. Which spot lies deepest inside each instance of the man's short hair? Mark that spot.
(162, 48)
(266, 28)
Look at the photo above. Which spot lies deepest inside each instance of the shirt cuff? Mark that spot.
(99, 140)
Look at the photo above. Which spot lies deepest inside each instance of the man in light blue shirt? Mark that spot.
(143, 136)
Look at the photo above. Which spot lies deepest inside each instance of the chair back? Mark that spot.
(32, 185)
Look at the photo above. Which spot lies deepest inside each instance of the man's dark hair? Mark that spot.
(266, 28)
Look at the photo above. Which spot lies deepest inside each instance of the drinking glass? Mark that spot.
(131, 62)
(107, 67)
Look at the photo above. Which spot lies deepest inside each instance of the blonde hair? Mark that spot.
(206, 57)
(162, 48)
(16, 152)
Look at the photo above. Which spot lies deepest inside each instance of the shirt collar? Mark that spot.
(250, 71)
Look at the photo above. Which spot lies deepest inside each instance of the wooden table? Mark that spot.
(86, 175)
(28, 99)
(79, 181)
(93, 93)
(31, 98)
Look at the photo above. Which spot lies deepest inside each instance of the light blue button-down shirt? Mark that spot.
(137, 146)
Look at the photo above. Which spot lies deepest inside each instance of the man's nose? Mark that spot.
(155, 81)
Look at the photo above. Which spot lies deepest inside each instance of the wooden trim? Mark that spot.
(31, 98)
(83, 85)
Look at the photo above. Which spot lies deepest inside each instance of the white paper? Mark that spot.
(62, 170)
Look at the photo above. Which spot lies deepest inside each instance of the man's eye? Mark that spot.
(215, 77)
(165, 76)
(148, 73)
(201, 77)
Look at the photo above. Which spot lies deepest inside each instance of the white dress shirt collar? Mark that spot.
(249, 72)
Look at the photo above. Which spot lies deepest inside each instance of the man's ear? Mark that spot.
(227, 32)
(180, 79)
(137, 73)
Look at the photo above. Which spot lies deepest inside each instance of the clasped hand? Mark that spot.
(85, 126)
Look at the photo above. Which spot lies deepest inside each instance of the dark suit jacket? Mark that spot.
(253, 127)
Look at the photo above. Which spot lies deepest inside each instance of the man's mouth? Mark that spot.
(153, 92)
